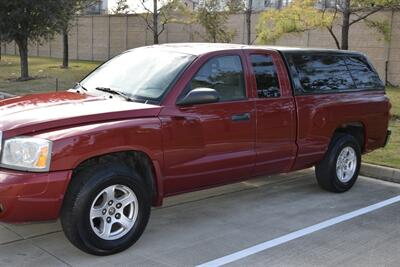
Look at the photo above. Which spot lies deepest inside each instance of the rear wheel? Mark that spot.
(106, 209)
(339, 169)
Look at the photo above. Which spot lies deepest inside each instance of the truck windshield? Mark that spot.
(144, 74)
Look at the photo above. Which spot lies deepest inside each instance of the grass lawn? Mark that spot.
(390, 155)
(45, 71)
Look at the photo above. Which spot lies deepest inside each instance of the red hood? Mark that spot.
(32, 113)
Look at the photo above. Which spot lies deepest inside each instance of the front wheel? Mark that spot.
(106, 209)
(339, 169)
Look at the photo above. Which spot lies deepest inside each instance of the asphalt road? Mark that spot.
(200, 227)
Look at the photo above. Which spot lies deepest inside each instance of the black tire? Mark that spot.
(86, 185)
(325, 171)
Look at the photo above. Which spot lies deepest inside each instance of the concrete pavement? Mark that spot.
(199, 227)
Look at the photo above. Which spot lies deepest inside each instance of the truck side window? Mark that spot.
(225, 75)
(363, 74)
(319, 73)
(266, 76)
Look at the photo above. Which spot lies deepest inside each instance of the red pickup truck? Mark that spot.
(163, 120)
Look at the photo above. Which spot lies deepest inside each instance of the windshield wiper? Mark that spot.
(81, 86)
(115, 92)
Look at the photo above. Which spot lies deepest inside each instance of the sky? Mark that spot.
(133, 4)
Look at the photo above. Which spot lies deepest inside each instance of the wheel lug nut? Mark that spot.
(108, 219)
(119, 205)
(110, 202)
(104, 211)
(118, 216)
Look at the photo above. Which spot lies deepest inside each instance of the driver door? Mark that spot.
(210, 144)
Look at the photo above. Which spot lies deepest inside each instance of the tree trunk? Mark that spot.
(249, 12)
(346, 25)
(279, 4)
(155, 21)
(23, 54)
(65, 49)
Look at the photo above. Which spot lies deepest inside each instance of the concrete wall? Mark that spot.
(102, 37)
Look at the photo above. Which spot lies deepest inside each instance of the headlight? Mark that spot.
(26, 153)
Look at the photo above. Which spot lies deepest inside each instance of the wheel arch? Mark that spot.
(139, 160)
(357, 129)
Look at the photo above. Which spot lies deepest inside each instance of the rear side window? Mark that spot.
(266, 76)
(363, 74)
(320, 73)
(225, 75)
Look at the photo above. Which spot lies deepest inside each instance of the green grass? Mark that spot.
(394, 95)
(390, 155)
(45, 71)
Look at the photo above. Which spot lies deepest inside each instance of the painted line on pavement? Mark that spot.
(297, 234)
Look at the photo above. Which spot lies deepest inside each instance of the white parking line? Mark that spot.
(297, 234)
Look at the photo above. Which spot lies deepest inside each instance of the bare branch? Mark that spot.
(334, 37)
(162, 29)
(252, 42)
(145, 17)
(147, 22)
(365, 15)
(145, 7)
(165, 18)
(333, 18)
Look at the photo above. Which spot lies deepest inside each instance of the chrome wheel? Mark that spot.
(346, 164)
(114, 212)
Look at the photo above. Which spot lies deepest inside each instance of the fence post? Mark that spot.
(109, 36)
(126, 31)
(389, 47)
(49, 40)
(77, 38)
(245, 29)
(145, 36)
(92, 31)
(166, 34)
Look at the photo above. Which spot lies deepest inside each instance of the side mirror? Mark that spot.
(199, 96)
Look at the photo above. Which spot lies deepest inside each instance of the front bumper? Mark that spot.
(28, 196)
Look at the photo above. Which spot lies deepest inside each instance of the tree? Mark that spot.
(354, 11)
(298, 17)
(70, 9)
(122, 7)
(304, 15)
(161, 13)
(249, 13)
(213, 17)
(23, 21)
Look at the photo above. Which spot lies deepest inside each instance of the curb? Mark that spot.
(380, 172)
(5, 95)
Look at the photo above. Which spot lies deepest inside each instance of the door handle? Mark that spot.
(241, 117)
